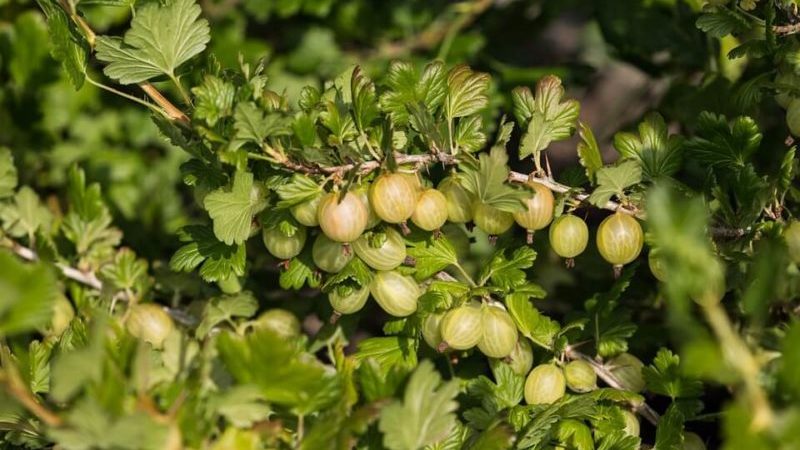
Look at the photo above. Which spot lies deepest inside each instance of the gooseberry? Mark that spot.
(397, 294)
(656, 265)
(627, 369)
(348, 300)
(381, 251)
(793, 117)
(306, 212)
(328, 255)
(692, 441)
(521, 358)
(230, 284)
(498, 332)
(430, 212)
(538, 211)
(545, 384)
(150, 323)
(393, 197)
(461, 327)
(568, 237)
(619, 239)
(492, 220)
(792, 236)
(363, 193)
(459, 200)
(431, 330)
(342, 221)
(280, 321)
(580, 376)
(282, 246)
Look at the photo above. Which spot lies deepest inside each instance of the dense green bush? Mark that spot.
(320, 224)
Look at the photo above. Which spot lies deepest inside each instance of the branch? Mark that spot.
(87, 278)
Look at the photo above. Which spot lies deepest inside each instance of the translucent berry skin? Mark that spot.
(792, 236)
(521, 358)
(569, 236)
(619, 239)
(628, 370)
(430, 212)
(150, 323)
(459, 200)
(372, 219)
(342, 221)
(282, 246)
(393, 197)
(499, 333)
(349, 302)
(328, 255)
(279, 321)
(580, 376)
(545, 384)
(656, 265)
(306, 212)
(691, 441)
(492, 220)
(397, 294)
(538, 211)
(461, 327)
(431, 330)
(390, 254)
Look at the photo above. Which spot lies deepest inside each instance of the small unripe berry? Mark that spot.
(521, 358)
(461, 327)
(631, 423)
(150, 323)
(282, 246)
(388, 255)
(580, 376)
(348, 300)
(619, 239)
(499, 333)
(431, 330)
(328, 255)
(306, 212)
(397, 294)
(280, 321)
(628, 370)
(459, 200)
(691, 441)
(545, 384)
(538, 209)
(569, 236)
(492, 220)
(431, 210)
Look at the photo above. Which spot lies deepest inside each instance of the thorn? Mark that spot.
(547, 164)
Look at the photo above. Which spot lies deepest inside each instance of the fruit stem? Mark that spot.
(570, 263)
(404, 228)
(442, 347)
(335, 317)
(529, 237)
(617, 270)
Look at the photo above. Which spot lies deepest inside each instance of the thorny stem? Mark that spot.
(127, 96)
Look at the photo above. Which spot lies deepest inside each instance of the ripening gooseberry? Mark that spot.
(430, 213)
(342, 221)
(282, 246)
(363, 193)
(492, 220)
(150, 323)
(63, 313)
(348, 300)
(280, 321)
(538, 211)
(619, 239)
(393, 197)
(580, 376)
(396, 293)
(498, 332)
(628, 370)
(230, 284)
(381, 253)
(784, 97)
(459, 200)
(791, 234)
(306, 212)
(328, 255)
(793, 117)
(656, 265)
(568, 237)
(431, 330)
(692, 441)
(521, 358)
(544, 385)
(461, 327)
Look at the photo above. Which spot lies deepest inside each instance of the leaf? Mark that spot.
(160, 39)
(720, 22)
(218, 259)
(301, 271)
(615, 180)
(545, 116)
(225, 309)
(494, 397)
(8, 173)
(125, 271)
(719, 144)
(488, 181)
(241, 405)
(213, 99)
(664, 377)
(426, 414)
(28, 293)
(658, 153)
(388, 351)
(284, 373)
(508, 273)
(669, 434)
(67, 44)
(530, 322)
(469, 134)
(432, 256)
(466, 92)
(298, 190)
(589, 151)
(252, 124)
(365, 103)
(25, 215)
(407, 87)
(233, 210)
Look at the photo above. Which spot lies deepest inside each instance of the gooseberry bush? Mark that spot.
(386, 259)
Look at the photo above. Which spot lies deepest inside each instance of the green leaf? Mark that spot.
(28, 293)
(432, 256)
(669, 434)
(789, 374)
(589, 151)
(407, 87)
(719, 144)
(300, 272)
(615, 180)
(73, 369)
(213, 99)
(233, 210)
(664, 377)
(466, 92)
(299, 189)
(218, 259)
(494, 397)
(8, 173)
(125, 271)
(252, 124)
(225, 309)
(720, 22)
(284, 373)
(658, 153)
(25, 215)
(530, 322)
(67, 44)
(545, 117)
(469, 134)
(241, 405)
(355, 272)
(37, 367)
(161, 38)
(365, 103)
(487, 180)
(426, 414)
(388, 351)
(508, 272)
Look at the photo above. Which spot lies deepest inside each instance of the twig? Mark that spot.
(16, 387)
(173, 111)
(87, 278)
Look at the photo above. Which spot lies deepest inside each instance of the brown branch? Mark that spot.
(173, 111)
(783, 30)
(87, 278)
